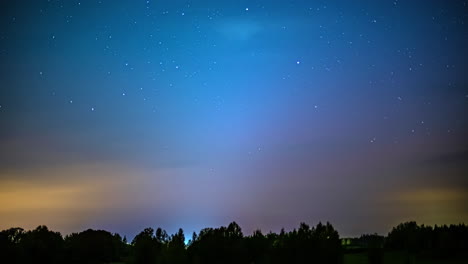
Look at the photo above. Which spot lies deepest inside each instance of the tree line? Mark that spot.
(306, 244)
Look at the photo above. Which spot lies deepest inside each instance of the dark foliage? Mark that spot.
(40, 246)
(318, 244)
(10, 250)
(438, 241)
(375, 245)
(94, 246)
(218, 245)
(147, 245)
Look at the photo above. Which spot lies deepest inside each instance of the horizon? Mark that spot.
(121, 115)
(188, 235)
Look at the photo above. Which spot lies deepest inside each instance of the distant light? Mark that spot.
(246, 9)
(92, 109)
(298, 62)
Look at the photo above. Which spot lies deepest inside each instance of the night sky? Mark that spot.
(121, 115)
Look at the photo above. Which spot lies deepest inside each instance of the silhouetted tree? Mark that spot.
(41, 246)
(175, 251)
(219, 245)
(440, 241)
(257, 248)
(94, 246)
(404, 236)
(320, 244)
(306, 244)
(374, 245)
(9, 249)
(147, 246)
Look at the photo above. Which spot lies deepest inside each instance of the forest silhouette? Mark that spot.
(318, 244)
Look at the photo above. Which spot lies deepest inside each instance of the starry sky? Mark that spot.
(126, 114)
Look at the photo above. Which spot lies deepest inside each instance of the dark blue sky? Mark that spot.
(127, 114)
